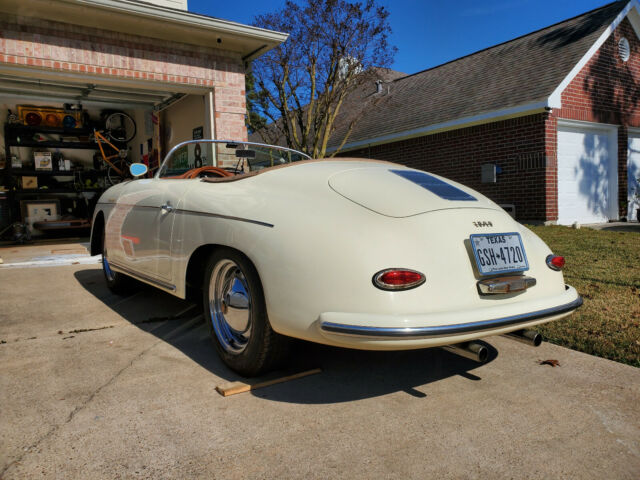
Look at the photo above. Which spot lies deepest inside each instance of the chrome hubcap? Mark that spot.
(230, 306)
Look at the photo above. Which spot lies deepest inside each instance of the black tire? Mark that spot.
(241, 333)
(117, 282)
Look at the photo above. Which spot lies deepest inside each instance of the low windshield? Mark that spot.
(234, 157)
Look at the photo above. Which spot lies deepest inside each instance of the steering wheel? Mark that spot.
(206, 171)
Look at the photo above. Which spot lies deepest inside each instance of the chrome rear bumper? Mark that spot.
(443, 330)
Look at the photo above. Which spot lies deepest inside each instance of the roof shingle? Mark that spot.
(518, 72)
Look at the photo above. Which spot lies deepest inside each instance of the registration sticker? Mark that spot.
(499, 253)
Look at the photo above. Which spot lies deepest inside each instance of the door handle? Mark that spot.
(167, 207)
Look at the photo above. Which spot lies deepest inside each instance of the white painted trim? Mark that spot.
(555, 98)
(610, 127)
(634, 19)
(85, 78)
(612, 133)
(487, 117)
(631, 202)
(184, 18)
(210, 123)
(19, 98)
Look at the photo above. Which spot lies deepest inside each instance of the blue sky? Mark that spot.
(428, 33)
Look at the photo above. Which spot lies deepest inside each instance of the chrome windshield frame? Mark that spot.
(237, 142)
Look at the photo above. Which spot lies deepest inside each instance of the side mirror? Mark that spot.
(138, 169)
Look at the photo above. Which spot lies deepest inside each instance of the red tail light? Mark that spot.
(398, 279)
(555, 262)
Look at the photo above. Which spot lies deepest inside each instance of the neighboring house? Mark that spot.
(179, 74)
(555, 113)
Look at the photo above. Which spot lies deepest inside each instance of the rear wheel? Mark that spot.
(236, 315)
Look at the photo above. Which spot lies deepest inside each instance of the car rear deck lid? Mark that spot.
(435, 185)
(402, 192)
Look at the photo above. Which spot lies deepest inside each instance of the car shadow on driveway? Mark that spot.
(347, 374)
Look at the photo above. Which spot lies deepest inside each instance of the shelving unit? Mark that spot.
(59, 173)
(51, 191)
(23, 136)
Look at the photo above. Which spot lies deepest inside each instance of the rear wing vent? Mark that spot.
(435, 185)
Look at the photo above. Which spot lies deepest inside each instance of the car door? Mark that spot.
(171, 193)
(144, 214)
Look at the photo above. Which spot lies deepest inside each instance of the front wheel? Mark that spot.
(117, 282)
(236, 315)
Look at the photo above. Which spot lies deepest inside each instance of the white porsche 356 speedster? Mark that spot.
(346, 252)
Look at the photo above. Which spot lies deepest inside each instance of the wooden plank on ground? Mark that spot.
(232, 388)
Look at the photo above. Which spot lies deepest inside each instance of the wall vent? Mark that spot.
(623, 49)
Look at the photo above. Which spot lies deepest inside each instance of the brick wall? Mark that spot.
(65, 47)
(607, 90)
(517, 145)
(551, 170)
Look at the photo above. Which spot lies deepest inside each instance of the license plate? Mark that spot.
(499, 253)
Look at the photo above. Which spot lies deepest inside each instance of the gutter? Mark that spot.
(487, 117)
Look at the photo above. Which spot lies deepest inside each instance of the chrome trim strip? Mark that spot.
(227, 217)
(143, 277)
(384, 332)
(204, 214)
(132, 205)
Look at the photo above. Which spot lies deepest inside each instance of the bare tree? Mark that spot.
(301, 86)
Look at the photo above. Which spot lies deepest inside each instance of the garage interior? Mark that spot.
(52, 168)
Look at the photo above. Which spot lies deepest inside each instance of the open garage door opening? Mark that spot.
(64, 143)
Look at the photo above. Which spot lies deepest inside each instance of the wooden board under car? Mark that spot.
(232, 388)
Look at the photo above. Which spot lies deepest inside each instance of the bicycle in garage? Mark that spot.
(119, 129)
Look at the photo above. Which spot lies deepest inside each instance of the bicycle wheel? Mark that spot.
(120, 127)
(114, 177)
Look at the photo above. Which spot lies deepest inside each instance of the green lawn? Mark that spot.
(605, 269)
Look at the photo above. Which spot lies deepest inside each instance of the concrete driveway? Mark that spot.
(100, 386)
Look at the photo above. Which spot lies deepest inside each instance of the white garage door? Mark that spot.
(633, 175)
(587, 174)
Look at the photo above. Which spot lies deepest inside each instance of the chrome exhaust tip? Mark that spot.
(530, 337)
(471, 350)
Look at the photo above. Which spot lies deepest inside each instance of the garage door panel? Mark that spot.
(585, 171)
(633, 173)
